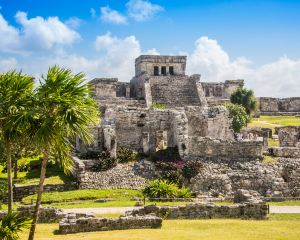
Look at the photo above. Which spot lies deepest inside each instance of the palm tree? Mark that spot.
(65, 110)
(11, 225)
(15, 93)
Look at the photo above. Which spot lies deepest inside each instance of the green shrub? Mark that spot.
(246, 98)
(173, 176)
(23, 165)
(239, 117)
(163, 189)
(105, 162)
(160, 106)
(192, 168)
(125, 155)
(11, 225)
(184, 193)
(160, 189)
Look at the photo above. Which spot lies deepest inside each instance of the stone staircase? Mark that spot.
(174, 91)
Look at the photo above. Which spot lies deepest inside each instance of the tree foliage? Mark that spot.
(15, 98)
(65, 110)
(246, 98)
(11, 224)
(239, 117)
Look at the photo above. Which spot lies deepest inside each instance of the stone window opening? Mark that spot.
(156, 71)
(161, 140)
(164, 70)
(171, 70)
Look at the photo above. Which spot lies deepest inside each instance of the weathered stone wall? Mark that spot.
(204, 147)
(146, 63)
(288, 136)
(46, 215)
(88, 223)
(221, 90)
(205, 211)
(209, 122)
(265, 133)
(121, 176)
(278, 106)
(105, 87)
(286, 152)
(222, 179)
(175, 91)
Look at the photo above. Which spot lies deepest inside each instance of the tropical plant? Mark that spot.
(239, 117)
(11, 224)
(105, 162)
(65, 109)
(15, 97)
(246, 98)
(125, 155)
(163, 190)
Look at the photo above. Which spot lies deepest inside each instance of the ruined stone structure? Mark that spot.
(289, 136)
(131, 119)
(163, 107)
(205, 211)
(218, 93)
(279, 106)
(89, 223)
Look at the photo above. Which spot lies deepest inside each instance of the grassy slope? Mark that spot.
(273, 121)
(53, 176)
(188, 229)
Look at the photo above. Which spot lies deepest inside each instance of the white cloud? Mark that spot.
(112, 16)
(141, 10)
(152, 51)
(40, 33)
(7, 64)
(118, 55)
(73, 22)
(9, 36)
(279, 79)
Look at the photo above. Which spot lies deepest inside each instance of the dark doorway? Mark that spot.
(171, 70)
(164, 71)
(156, 71)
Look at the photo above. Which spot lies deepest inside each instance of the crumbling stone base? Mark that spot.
(205, 211)
(90, 223)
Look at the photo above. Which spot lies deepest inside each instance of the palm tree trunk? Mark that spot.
(9, 176)
(39, 194)
(16, 168)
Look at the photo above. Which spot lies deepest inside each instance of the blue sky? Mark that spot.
(255, 40)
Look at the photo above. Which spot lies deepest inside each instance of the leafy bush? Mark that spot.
(246, 98)
(11, 225)
(160, 106)
(239, 117)
(173, 176)
(105, 162)
(125, 155)
(192, 168)
(184, 193)
(28, 163)
(164, 189)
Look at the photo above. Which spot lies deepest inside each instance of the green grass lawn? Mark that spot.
(280, 228)
(54, 175)
(274, 121)
(285, 203)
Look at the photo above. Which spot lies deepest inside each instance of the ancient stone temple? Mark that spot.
(163, 107)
